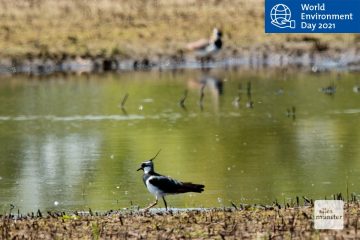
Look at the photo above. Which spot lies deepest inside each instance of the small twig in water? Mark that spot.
(306, 200)
(39, 214)
(202, 95)
(248, 89)
(123, 101)
(182, 100)
(234, 205)
(347, 190)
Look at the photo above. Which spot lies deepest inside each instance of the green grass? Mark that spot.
(137, 27)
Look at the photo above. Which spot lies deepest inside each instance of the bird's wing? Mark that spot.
(197, 45)
(171, 186)
(166, 184)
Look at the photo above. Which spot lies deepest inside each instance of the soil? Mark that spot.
(237, 222)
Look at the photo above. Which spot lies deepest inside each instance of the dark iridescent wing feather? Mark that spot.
(170, 186)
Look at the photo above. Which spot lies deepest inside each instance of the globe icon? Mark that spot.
(280, 13)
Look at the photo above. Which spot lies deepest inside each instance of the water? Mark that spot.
(67, 145)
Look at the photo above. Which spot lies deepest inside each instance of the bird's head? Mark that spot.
(148, 166)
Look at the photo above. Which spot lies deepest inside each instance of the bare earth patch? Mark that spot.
(230, 223)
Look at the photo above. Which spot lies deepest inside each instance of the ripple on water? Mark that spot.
(348, 111)
(73, 118)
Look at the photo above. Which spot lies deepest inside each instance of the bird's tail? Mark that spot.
(191, 187)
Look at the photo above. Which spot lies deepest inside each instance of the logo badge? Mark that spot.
(312, 16)
(329, 214)
(280, 16)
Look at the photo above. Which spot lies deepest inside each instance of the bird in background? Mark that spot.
(329, 90)
(204, 49)
(161, 186)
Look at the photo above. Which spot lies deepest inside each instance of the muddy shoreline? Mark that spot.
(110, 35)
(237, 222)
(346, 60)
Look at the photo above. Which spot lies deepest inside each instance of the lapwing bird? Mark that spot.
(161, 186)
(330, 90)
(206, 48)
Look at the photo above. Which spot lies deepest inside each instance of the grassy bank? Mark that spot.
(139, 28)
(249, 223)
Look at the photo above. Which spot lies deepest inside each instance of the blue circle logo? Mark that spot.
(281, 16)
(280, 12)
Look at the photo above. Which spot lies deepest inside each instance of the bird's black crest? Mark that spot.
(156, 155)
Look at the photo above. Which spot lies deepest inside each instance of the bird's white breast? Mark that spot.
(208, 50)
(154, 190)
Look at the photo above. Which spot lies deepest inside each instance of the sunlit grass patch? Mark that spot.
(135, 28)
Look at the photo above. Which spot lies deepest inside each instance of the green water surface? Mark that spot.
(65, 144)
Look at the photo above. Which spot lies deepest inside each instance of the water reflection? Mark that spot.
(208, 84)
(122, 104)
(53, 166)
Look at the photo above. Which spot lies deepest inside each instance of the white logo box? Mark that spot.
(329, 214)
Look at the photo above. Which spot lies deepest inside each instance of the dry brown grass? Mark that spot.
(252, 223)
(133, 28)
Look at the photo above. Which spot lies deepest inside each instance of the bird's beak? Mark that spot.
(140, 169)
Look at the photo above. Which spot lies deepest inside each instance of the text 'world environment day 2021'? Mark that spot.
(318, 16)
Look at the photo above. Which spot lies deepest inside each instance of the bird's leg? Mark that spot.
(151, 205)
(165, 203)
(202, 61)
